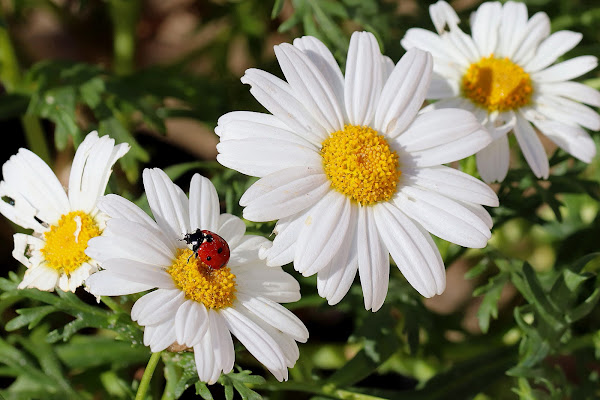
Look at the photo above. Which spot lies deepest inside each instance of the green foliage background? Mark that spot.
(519, 319)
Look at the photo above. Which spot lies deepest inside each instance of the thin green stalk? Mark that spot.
(147, 377)
(10, 74)
(124, 15)
(113, 305)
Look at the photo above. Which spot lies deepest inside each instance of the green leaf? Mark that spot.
(181, 372)
(203, 391)
(239, 382)
(91, 351)
(13, 105)
(584, 308)
(489, 304)
(277, 7)
(380, 341)
(29, 316)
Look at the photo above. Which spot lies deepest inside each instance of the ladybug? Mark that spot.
(211, 248)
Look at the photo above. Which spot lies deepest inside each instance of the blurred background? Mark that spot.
(159, 73)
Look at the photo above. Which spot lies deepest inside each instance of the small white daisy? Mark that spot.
(62, 223)
(352, 172)
(195, 305)
(504, 73)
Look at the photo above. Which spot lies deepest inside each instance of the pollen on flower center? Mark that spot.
(215, 288)
(497, 84)
(360, 164)
(67, 240)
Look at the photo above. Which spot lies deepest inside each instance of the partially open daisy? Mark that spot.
(62, 223)
(504, 73)
(195, 305)
(351, 171)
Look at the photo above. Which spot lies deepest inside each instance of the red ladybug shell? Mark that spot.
(213, 251)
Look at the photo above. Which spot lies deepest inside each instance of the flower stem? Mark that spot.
(148, 372)
(124, 16)
(10, 75)
(113, 305)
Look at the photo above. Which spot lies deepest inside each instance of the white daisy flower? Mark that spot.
(504, 73)
(62, 223)
(352, 172)
(195, 305)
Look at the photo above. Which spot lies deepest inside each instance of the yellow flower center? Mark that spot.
(360, 164)
(215, 288)
(497, 84)
(66, 241)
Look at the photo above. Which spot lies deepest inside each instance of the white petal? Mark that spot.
(157, 306)
(136, 271)
(17, 209)
(443, 16)
(538, 28)
(78, 276)
(428, 41)
(572, 90)
(311, 87)
(572, 139)
(91, 169)
(246, 250)
(204, 204)
(404, 93)
(28, 178)
(256, 340)
(568, 111)
(513, 25)
(231, 228)
(322, 58)
(287, 229)
(335, 279)
(324, 229)
(191, 323)
(441, 88)
(484, 27)
(373, 260)
(284, 193)
(566, 70)
(465, 48)
(480, 211)
(442, 136)
(248, 124)
(168, 203)
(272, 283)
(215, 351)
(222, 341)
(159, 337)
(275, 315)
(264, 156)
(493, 160)
(105, 283)
(119, 207)
(414, 252)
(452, 183)
(129, 240)
(40, 277)
(532, 148)
(27, 249)
(363, 78)
(277, 97)
(443, 217)
(551, 48)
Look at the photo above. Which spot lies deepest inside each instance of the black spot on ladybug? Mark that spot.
(220, 250)
(208, 258)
